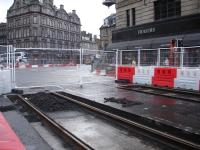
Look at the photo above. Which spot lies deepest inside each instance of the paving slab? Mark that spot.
(23, 129)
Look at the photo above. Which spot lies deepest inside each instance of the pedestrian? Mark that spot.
(166, 63)
(92, 64)
(133, 62)
(1, 67)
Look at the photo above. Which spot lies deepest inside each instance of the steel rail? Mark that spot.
(161, 94)
(62, 132)
(156, 132)
(173, 90)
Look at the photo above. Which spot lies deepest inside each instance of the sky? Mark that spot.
(91, 12)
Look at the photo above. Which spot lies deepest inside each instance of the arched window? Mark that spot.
(167, 8)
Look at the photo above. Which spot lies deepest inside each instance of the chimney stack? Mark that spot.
(61, 6)
(74, 11)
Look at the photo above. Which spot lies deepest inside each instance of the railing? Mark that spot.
(166, 57)
(7, 68)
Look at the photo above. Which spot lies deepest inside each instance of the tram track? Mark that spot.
(155, 132)
(186, 95)
(62, 132)
(163, 136)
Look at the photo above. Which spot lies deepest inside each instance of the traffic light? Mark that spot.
(179, 43)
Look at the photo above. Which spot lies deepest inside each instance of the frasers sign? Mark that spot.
(175, 26)
(146, 31)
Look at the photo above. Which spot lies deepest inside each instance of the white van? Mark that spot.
(19, 57)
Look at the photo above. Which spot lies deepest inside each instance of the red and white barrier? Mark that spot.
(126, 73)
(143, 75)
(164, 77)
(23, 66)
(161, 76)
(188, 79)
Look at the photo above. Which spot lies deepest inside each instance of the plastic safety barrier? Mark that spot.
(8, 139)
(188, 78)
(126, 73)
(143, 75)
(164, 77)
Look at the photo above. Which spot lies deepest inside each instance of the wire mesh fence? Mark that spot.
(44, 57)
(148, 57)
(5, 56)
(101, 62)
(166, 57)
(79, 66)
(7, 68)
(129, 57)
(44, 67)
(190, 56)
(47, 67)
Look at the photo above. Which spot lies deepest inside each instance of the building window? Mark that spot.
(35, 19)
(28, 32)
(167, 8)
(24, 20)
(128, 18)
(34, 31)
(133, 16)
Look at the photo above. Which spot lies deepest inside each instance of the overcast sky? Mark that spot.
(91, 12)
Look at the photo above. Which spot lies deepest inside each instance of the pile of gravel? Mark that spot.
(49, 103)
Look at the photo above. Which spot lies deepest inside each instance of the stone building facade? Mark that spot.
(106, 31)
(154, 23)
(3, 34)
(38, 23)
(88, 41)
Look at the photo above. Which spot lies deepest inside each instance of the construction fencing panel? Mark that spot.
(190, 56)
(148, 57)
(36, 67)
(7, 69)
(98, 66)
(166, 57)
(140, 57)
(129, 57)
(47, 67)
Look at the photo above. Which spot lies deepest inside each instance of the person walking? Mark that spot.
(133, 62)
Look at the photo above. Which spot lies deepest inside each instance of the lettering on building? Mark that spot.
(146, 31)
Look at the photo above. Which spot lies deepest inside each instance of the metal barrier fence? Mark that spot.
(102, 62)
(45, 56)
(7, 68)
(38, 67)
(173, 57)
(60, 67)
(190, 56)
(87, 66)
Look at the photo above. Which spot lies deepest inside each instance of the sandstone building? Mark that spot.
(3, 34)
(38, 23)
(88, 41)
(106, 30)
(154, 23)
